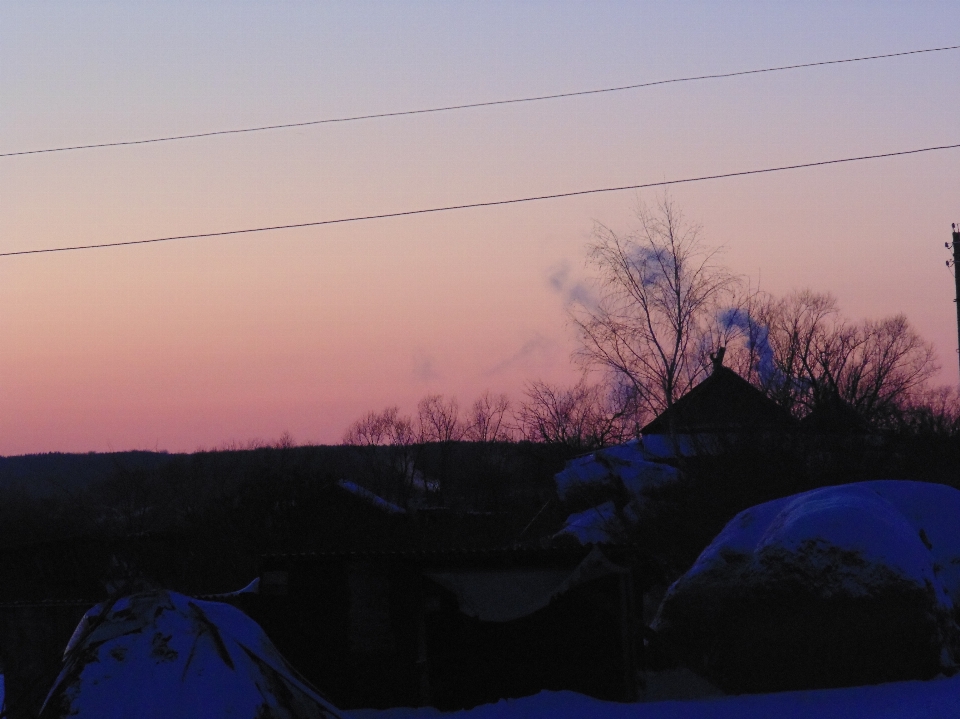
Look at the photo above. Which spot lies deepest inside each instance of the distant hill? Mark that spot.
(46, 474)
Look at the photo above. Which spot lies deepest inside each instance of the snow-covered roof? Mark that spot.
(625, 462)
(597, 525)
(371, 497)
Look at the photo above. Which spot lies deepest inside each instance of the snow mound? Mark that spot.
(625, 463)
(841, 585)
(163, 655)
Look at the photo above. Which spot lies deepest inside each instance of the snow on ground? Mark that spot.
(936, 699)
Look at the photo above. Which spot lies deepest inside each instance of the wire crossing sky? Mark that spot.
(491, 203)
(472, 105)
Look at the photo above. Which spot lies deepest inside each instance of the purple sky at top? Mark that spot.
(198, 343)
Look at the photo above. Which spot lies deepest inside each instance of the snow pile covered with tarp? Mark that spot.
(624, 466)
(163, 655)
(854, 584)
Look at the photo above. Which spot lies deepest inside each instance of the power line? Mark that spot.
(467, 106)
(491, 203)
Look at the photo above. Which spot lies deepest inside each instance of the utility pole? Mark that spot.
(956, 272)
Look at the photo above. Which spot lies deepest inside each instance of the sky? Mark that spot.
(199, 343)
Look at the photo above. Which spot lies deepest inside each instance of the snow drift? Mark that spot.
(855, 584)
(161, 654)
(939, 698)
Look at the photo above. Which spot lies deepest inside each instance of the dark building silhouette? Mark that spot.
(724, 408)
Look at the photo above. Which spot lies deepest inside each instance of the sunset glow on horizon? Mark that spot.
(198, 343)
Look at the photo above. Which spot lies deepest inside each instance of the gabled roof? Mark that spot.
(834, 416)
(723, 402)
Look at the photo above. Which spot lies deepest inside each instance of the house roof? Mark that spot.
(723, 402)
(834, 416)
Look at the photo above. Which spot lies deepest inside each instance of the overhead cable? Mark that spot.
(471, 205)
(472, 105)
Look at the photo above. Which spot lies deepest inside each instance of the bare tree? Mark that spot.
(392, 469)
(879, 367)
(284, 441)
(585, 416)
(799, 328)
(933, 412)
(659, 292)
(368, 430)
(376, 428)
(439, 419)
(487, 419)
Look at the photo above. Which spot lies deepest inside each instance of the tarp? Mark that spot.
(504, 595)
(162, 655)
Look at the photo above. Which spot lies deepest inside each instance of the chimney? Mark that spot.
(717, 358)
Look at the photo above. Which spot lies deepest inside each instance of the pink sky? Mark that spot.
(198, 343)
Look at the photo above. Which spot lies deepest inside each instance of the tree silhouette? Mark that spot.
(658, 291)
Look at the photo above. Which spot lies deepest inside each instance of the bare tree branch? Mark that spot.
(585, 416)
(878, 367)
(439, 419)
(658, 291)
(487, 419)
